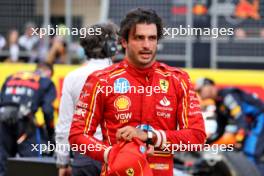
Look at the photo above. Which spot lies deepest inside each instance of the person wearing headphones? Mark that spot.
(99, 49)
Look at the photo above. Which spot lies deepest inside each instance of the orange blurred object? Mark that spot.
(227, 138)
(200, 9)
(245, 9)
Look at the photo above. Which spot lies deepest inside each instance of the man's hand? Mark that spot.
(240, 137)
(65, 171)
(150, 150)
(128, 132)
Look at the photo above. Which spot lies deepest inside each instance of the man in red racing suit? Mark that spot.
(156, 103)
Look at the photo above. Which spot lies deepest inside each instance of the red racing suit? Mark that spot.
(122, 95)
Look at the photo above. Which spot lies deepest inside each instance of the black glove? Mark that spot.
(9, 114)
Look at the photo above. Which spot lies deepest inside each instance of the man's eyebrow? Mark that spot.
(145, 35)
(139, 35)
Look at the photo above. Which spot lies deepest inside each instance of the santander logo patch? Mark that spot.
(164, 101)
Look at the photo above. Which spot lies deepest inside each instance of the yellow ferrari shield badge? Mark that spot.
(164, 85)
(130, 172)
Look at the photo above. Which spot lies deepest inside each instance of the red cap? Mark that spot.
(129, 159)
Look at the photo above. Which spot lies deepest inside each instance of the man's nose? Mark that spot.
(146, 43)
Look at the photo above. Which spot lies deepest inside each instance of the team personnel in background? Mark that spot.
(99, 50)
(245, 109)
(171, 115)
(21, 96)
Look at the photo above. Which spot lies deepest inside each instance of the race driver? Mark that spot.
(170, 116)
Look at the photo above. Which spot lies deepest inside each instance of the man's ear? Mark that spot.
(124, 43)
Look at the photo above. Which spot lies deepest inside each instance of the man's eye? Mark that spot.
(139, 37)
(153, 37)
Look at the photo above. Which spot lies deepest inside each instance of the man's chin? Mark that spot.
(145, 61)
(146, 58)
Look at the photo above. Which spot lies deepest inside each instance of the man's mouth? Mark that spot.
(145, 54)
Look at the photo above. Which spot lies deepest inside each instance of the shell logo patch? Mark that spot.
(122, 103)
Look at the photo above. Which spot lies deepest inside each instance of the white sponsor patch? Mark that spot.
(82, 104)
(164, 108)
(194, 105)
(79, 111)
(84, 94)
(165, 101)
(123, 117)
(163, 114)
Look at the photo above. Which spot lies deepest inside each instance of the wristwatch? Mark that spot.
(150, 138)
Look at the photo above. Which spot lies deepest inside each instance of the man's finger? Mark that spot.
(150, 150)
(130, 136)
(121, 130)
(125, 135)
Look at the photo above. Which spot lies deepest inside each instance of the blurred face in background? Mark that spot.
(29, 30)
(208, 92)
(13, 37)
(44, 71)
(141, 46)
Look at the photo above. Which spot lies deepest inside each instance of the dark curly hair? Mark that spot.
(93, 45)
(138, 16)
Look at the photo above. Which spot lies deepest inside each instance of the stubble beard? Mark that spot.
(140, 62)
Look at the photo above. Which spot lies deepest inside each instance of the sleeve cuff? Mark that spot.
(163, 138)
(158, 141)
(106, 153)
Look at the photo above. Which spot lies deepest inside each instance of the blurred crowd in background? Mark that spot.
(31, 48)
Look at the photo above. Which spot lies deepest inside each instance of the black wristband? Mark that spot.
(150, 138)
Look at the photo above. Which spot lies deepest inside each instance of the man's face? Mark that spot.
(141, 46)
(208, 92)
(29, 31)
(45, 72)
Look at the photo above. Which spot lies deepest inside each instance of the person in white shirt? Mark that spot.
(29, 42)
(99, 49)
(2, 42)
